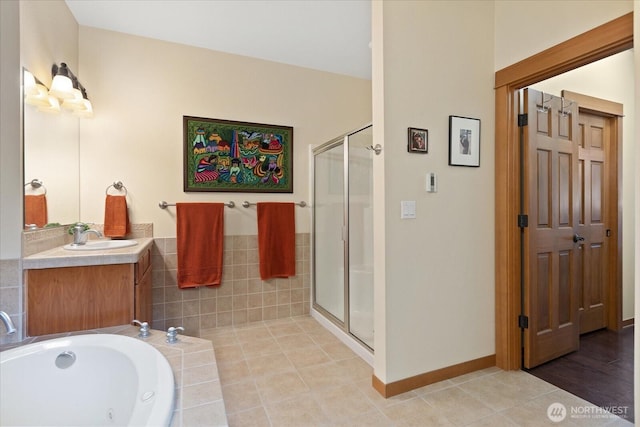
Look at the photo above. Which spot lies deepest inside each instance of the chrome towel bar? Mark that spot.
(164, 205)
(246, 204)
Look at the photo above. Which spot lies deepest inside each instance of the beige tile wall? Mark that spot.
(11, 298)
(242, 296)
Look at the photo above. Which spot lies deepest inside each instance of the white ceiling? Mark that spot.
(327, 35)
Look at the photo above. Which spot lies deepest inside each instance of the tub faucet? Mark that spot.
(144, 328)
(172, 334)
(80, 233)
(8, 323)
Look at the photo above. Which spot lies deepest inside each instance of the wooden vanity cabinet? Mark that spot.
(67, 299)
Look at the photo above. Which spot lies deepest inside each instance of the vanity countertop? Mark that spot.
(60, 257)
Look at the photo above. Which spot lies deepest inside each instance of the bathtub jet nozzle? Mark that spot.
(65, 359)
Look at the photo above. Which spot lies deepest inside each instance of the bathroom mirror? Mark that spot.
(51, 156)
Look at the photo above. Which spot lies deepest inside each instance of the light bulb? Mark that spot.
(61, 87)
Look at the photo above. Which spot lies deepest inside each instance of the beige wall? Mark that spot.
(48, 35)
(526, 27)
(436, 60)
(10, 152)
(611, 79)
(436, 290)
(142, 87)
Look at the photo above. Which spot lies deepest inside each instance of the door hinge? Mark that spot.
(523, 120)
(523, 321)
(523, 220)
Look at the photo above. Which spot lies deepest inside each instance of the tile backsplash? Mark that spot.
(241, 298)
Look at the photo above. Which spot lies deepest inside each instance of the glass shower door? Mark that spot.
(343, 233)
(329, 246)
(360, 224)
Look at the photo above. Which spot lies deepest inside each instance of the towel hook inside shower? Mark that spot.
(376, 149)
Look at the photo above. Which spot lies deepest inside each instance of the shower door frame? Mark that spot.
(345, 325)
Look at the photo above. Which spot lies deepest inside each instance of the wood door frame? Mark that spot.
(608, 39)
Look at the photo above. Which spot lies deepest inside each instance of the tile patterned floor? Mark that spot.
(293, 372)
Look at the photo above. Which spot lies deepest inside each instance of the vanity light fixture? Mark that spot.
(66, 91)
(61, 86)
(77, 100)
(86, 109)
(35, 93)
(67, 87)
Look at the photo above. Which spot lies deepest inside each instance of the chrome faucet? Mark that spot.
(8, 323)
(144, 328)
(172, 334)
(80, 233)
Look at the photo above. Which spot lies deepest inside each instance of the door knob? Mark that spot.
(577, 238)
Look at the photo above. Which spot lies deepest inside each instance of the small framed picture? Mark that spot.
(464, 141)
(418, 141)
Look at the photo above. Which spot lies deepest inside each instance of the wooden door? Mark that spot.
(551, 190)
(593, 139)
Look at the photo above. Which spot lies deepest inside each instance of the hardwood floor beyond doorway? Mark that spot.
(601, 371)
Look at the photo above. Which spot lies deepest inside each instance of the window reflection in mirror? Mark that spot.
(51, 156)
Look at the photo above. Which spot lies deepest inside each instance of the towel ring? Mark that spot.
(35, 184)
(118, 186)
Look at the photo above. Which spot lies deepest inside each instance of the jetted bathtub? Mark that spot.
(86, 380)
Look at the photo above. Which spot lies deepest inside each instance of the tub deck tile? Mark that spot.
(197, 383)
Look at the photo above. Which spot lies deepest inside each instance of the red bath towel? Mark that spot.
(200, 235)
(116, 217)
(35, 209)
(276, 240)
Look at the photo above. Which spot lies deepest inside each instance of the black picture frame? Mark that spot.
(418, 141)
(464, 141)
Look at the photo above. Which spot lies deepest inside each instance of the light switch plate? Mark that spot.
(407, 209)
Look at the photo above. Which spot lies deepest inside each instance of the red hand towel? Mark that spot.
(116, 217)
(35, 209)
(276, 240)
(200, 234)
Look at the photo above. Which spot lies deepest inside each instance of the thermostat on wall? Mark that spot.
(432, 182)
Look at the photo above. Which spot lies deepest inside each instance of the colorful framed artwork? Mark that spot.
(464, 141)
(418, 141)
(225, 155)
